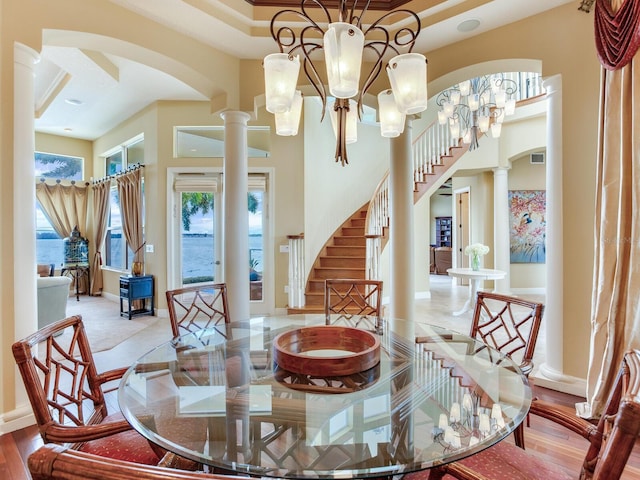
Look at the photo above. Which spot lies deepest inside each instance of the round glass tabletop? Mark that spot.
(217, 397)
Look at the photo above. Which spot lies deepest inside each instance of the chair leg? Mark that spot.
(518, 434)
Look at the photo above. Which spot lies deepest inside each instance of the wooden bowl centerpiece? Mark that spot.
(326, 350)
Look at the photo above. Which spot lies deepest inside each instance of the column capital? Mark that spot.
(233, 116)
(498, 171)
(552, 84)
(24, 55)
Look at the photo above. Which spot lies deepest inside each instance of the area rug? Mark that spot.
(102, 321)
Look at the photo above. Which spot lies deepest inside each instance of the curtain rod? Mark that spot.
(129, 169)
(58, 180)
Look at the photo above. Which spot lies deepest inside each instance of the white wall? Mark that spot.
(332, 193)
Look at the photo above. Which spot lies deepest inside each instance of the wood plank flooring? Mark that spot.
(543, 438)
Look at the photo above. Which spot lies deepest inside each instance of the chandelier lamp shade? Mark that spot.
(477, 106)
(392, 120)
(354, 55)
(287, 122)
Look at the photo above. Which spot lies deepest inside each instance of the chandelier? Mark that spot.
(346, 43)
(477, 106)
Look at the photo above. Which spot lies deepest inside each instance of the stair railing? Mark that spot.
(428, 150)
(296, 271)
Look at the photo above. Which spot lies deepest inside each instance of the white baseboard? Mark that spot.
(566, 384)
(16, 420)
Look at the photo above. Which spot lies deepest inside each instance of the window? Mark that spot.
(63, 167)
(49, 245)
(117, 253)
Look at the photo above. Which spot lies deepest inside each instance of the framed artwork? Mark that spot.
(527, 226)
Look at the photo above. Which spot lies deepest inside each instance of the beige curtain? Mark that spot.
(100, 217)
(64, 205)
(615, 320)
(130, 194)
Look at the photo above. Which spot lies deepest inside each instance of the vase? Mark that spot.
(475, 262)
(137, 268)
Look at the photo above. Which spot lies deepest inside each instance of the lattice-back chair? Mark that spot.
(610, 441)
(67, 396)
(197, 307)
(51, 462)
(353, 302)
(510, 325)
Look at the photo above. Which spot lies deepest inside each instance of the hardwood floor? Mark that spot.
(543, 438)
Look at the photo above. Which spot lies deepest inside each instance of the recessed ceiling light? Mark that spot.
(468, 25)
(73, 101)
(68, 129)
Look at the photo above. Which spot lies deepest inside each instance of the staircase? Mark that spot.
(347, 253)
(343, 256)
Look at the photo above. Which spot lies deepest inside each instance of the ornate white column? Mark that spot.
(24, 208)
(552, 369)
(24, 190)
(236, 225)
(401, 228)
(501, 247)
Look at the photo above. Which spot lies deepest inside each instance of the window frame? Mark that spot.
(126, 253)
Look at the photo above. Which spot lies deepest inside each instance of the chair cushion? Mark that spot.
(129, 446)
(505, 461)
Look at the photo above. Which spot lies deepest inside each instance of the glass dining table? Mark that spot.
(218, 397)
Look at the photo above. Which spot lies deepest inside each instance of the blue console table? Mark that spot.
(136, 289)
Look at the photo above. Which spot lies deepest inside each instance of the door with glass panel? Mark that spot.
(196, 223)
(196, 249)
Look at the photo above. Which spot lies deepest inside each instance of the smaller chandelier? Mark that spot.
(467, 423)
(477, 106)
(346, 44)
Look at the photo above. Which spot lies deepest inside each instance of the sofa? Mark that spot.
(442, 259)
(53, 293)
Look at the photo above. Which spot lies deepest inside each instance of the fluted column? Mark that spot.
(501, 243)
(235, 222)
(401, 229)
(553, 366)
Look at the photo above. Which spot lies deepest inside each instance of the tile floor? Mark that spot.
(445, 299)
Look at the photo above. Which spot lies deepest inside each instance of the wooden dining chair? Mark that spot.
(610, 441)
(52, 462)
(67, 394)
(197, 307)
(353, 302)
(509, 324)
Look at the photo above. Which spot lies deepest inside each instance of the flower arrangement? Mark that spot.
(476, 250)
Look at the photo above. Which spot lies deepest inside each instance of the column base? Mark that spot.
(16, 420)
(550, 378)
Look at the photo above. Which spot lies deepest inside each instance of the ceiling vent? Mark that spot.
(536, 158)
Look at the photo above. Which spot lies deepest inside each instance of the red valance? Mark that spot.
(617, 33)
